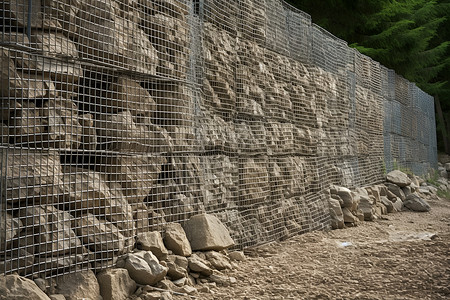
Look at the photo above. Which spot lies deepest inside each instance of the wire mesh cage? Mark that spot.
(119, 117)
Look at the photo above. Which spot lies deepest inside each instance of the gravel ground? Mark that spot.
(402, 256)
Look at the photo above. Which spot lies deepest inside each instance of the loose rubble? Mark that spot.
(194, 259)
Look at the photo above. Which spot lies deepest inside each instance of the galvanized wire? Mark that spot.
(119, 117)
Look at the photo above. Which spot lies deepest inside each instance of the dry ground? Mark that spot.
(404, 256)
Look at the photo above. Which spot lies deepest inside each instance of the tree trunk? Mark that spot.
(444, 124)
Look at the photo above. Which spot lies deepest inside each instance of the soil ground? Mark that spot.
(402, 256)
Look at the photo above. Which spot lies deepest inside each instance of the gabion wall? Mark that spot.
(118, 116)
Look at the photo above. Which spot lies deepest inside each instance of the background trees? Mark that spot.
(410, 36)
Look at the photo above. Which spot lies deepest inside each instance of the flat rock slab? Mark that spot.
(399, 178)
(415, 203)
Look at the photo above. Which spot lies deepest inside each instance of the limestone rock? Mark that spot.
(399, 178)
(415, 203)
(78, 285)
(88, 137)
(398, 204)
(388, 203)
(86, 189)
(9, 228)
(144, 268)
(127, 94)
(177, 266)
(115, 284)
(337, 217)
(199, 265)
(99, 235)
(206, 232)
(176, 240)
(16, 287)
(152, 241)
(57, 297)
(218, 260)
(366, 205)
(137, 174)
(126, 133)
(237, 256)
(397, 191)
(21, 260)
(109, 38)
(52, 231)
(348, 216)
(221, 279)
(29, 174)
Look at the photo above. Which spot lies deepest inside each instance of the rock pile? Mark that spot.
(159, 266)
(400, 191)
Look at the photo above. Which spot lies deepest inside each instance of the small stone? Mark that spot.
(144, 268)
(198, 265)
(337, 218)
(79, 285)
(41, 283)
(16, 287)
(237, 256)
(187, 289)
(221, 279)
(398, 204)
(175, 239)
(116, 284)
(177, 266)
(154, 295)
(415, 203)
(396, 190)
(399, 178)
(388, 203)
(348, 216)
(206, 232)
(152, 241)
(346, 195)
(57, 297)
(218, 260)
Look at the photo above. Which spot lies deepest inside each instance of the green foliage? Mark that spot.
(410, 36)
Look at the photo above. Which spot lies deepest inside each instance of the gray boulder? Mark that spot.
(415, 203)
(116, 284)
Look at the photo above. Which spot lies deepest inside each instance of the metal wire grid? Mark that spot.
(112, 131)
(300, 39)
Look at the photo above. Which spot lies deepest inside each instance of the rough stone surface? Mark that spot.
(388, 203)
(176, 240)
(199, 265)
(237, 256)
(337, 218)
(398, 204)
(206, 232)
(218, 260)
(115, 284)
(396, 190)
(144, 268)
(152, 241)
(399, 178)
(99, 235)
(415, 203)
(177, 266)
(79, 285)
(16, 287)
(349, 217)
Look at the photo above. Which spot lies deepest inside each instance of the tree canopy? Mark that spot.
(410, 36)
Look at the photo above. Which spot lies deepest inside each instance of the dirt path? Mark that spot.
(405, 256)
